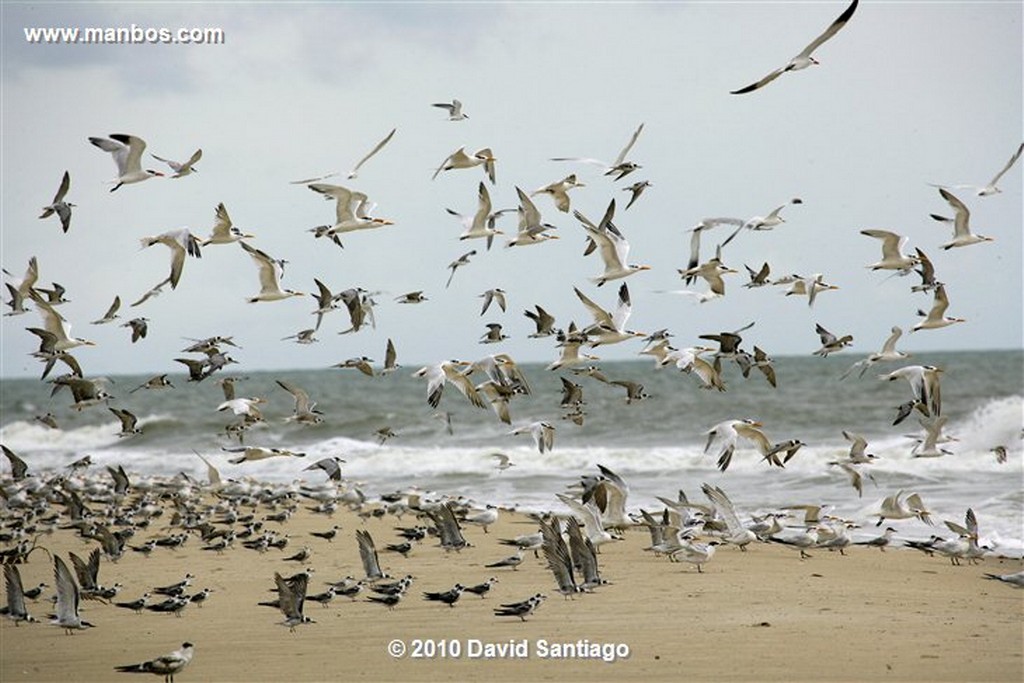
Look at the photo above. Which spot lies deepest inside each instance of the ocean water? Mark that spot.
(657, 445)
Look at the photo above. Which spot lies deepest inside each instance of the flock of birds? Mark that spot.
(684, 531)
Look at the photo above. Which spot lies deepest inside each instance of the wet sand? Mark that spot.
(761, 615)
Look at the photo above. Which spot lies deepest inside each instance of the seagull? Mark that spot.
(762, 222)
(893, 257)
(22, 289)
(494, 334)
(618, 168)
(362, 364)
(55, 324)
(609, 328)
(378, 147)
(68, 598)
(224, 231)
(128, 422)
(459, 159)
(928, 446)
(180, 242)
(352, 209)
(888, 354)
(111, 313)
(331, 466)
(59, 206)
(895, 507)
(448, 597)
(543, 321)
(16, 610)
(927, 273)
(368, 555)
(458, 263)
(416, 297)
(806, 286)
(520, 609)
(164, 665)
(139, 326)
(924, 383)
(479, 224)
(737, 534)
(511, 561)
(251, 453)
(962, 235)
(727, 433)
(612, 246)
(830, 343)
(305, 411)
(559, 191)
(991, 188)
(531, 229)
(804, 59)
(636, 189)
(291, 595)
(127, 151)
(712, 272)
(1015, 579)
(182, 169)
(270, 286)
(454, 109)
(496, 295)
(543, 434)
(503, 461)
(936, 316)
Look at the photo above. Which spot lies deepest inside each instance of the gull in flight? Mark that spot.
(59, 206)
(888, 354)
(806, 286)
(962, 235)
(182, 169)
(251, 453)
(164, 665)
(991, 188)
(636, 189)
(804, 59)
(496, 295)
(768, 222)
(896, 507)
(378, 147)
(542, 320)
(458, 263)
(270, 285)
(352, 210)
(531, 230)
(924, 383)
(830, 343)
(893, 257)
(305, 411)
(727, 434)
(928, 446)
(224, 231)
(936, 316)
(459, 159)
(449, 372)
(559, 191)
(180, 242)
(618, 168)
(711, 272)
(480, 224)
(612, 246)
(454, 109)
(55, 324)
(22, 290)
(543, 434)
(111, 313)
(127, 151)
(609, 328)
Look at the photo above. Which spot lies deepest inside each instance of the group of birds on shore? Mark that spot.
(683, 531)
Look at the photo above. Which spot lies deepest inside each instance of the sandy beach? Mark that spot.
(759, 615)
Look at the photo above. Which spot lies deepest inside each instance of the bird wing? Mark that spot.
(267, 269)
(15, 591)
(67, 591)
(961, 221)
(1011, 162)
(376, 148)
(368, 554)
(833, 29)
(600, 316)
(132, 158)
(625, 150)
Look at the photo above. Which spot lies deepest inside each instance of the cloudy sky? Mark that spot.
(907, 94)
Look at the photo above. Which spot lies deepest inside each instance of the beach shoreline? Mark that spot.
(764, 614)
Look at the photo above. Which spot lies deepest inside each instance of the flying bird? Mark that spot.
(991, 188)
(454, 109)
(962, 235)
(804, 59)
(59, 206)
(378, 147)
(127, 152)
(182, 169)
(181, 242)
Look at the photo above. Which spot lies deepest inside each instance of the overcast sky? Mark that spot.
(907, 94)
